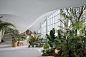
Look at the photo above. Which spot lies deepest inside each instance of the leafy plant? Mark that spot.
(45, 54)
(14, 40)
(4, 25)
(51, 38)
(23, 36)
(71, 44)
(34, 39)
(46, 47)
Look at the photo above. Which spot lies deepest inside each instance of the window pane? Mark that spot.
(45, 29)
(49, 28)
(56, 25)
(49, 22)
(55, 19)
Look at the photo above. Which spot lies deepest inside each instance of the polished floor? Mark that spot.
(23, 51)
(26, 52)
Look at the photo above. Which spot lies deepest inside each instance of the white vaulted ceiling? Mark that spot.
(23, 13)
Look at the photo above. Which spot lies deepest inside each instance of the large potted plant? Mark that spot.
(4, 26)
(15, 34)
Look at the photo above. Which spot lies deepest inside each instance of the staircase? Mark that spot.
(7, 37)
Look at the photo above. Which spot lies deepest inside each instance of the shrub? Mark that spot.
(45, 54)
(60, 52)
(46, 47)
(52, 50)
(14, 40)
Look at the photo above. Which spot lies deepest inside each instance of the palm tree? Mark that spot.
(4, 25)
(74, 16)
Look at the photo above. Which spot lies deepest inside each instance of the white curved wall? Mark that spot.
(30, 10)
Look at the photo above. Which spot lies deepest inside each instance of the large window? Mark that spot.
(52, 21)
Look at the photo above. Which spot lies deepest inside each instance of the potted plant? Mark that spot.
(19, 38)
(15, 34)
(18, 43)
(14, 43)
(52, 40)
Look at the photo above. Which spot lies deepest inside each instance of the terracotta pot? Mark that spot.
(56, 51)
(14, 44)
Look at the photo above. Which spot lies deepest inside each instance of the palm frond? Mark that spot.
(5, 24)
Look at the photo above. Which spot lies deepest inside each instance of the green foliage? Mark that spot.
(35, 38)
(45, 54)
(51, 38)
(23, 36)
(4, 25)
(52, 50)
(46, 47)
(14, 33)
(1, 16)
(71, 45)
(68, 41)
(14, 40)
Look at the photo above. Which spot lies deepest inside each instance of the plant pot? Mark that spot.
(56, 51)
(14, 44)
(18, 43)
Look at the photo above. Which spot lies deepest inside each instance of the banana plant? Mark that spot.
(51, 38)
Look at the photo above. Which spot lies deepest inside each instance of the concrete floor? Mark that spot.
(23, 51)
(26, 52)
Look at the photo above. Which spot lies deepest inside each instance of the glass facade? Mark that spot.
(51, 21)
